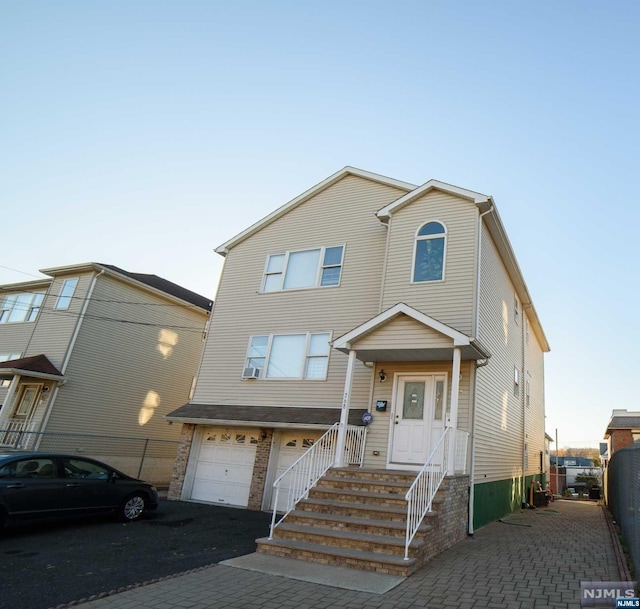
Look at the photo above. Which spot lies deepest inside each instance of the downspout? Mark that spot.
(523, 399)
(72, 343)
(472, 470)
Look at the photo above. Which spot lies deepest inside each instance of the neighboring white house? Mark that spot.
(94, 350)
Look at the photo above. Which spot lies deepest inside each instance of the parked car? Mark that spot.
(44, 485)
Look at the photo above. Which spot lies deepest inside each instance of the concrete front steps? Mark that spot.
(355, 518)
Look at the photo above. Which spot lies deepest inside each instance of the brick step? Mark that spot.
(373, 474)
(362, 497)
(351, 524)
(348, 508)
(393, 487)
(365, 542)
(341, 557)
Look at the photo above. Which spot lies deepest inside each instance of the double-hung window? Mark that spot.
(22, 307)
(314, 268)
(290, 356)
(429, 252)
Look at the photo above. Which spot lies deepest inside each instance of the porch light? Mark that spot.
(382, 376)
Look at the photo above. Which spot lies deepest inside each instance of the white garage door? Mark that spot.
(293, 444)
(225, 466)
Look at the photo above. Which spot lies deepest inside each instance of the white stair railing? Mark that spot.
(304, 473)
(424, 488)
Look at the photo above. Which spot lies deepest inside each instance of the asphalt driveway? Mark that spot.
(46, 564)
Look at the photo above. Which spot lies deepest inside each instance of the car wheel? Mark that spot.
(133, 507)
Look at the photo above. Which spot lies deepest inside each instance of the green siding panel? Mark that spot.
(492, 500)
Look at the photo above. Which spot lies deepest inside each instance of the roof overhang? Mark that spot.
(234, 415)
(35, 366)
(470, 349)
(223, 249)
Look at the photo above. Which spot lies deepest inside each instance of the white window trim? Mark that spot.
(318, 277)
(28, 310)
(69, 297)
(263, 376)
(415, 249)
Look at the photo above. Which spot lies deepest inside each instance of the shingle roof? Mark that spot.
(34, 363)
(264, 415)
(173, 289)
(624, 422)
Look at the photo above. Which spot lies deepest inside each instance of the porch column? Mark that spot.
(5, 411)
(453, 413)
(344, 411)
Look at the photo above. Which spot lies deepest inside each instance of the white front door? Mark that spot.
(418, 417)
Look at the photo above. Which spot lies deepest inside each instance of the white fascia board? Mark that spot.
(475, 197)
(26, 286)
(223, 249)
(344, 342)
(30, 374)
(85, 267)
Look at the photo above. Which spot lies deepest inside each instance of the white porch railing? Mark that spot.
(424, 488)
(16, 433)
(304, 473)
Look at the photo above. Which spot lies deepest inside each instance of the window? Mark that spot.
(516, 309)
(21, 307)
(527, 392)
(516, 381)
(429, 256)
(79, 469)
(290, 356)
(321, 267)
(66, 293)
(7, 357)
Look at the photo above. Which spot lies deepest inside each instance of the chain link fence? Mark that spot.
(145, 458)
(623, 497)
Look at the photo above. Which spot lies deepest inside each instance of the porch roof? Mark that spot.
(261, 416)
(432, 340)
(36, 366)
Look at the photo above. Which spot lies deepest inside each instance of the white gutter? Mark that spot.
(472, 470)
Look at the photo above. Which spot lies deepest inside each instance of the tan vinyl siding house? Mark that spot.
(420, 301)
(121, 351)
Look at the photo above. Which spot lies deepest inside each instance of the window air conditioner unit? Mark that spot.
(251, 373)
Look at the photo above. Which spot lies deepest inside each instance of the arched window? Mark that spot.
(430, 248)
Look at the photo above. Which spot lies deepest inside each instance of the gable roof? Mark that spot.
(223, 249)
(385, 213)
(343, 343)
(35, 365)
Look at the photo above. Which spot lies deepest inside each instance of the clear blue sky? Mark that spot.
(146, 133)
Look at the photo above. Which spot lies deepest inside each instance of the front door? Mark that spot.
(418, 417)
(26, 400)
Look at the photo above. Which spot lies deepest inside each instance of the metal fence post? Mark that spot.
(144, 452)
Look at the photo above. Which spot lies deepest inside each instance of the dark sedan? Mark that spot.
(43, 485)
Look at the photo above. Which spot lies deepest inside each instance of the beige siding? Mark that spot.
(450, 301)
(378, 433)
(342, 214)
(124, 377)
(403, 332)
(499, 415)
(54, 328)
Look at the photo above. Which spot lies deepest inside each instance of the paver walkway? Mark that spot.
(534, 559)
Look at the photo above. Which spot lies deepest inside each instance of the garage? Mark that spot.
(225, 466)
(292, 445)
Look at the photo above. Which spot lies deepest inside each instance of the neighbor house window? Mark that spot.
(516, 381)
(66, 294)
(21, 307)
(314, 268)
(516, 309)
(430, 249)
(290, 356)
